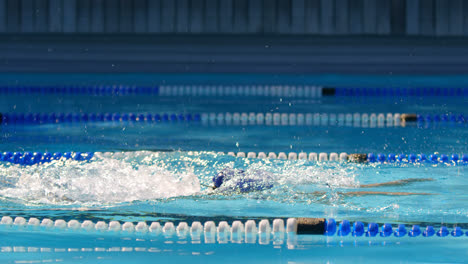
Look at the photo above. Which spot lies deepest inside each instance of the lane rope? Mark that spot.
(237, 231)
(297, 91)
(81, 89)
(238, 118)
(287, 91)
(356, 157)
(328, 119)
(31, 158)
(260, 90)
(53, 118)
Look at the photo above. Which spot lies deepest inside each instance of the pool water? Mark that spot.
(162, 171)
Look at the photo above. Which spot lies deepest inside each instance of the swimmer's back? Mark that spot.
(238, 180)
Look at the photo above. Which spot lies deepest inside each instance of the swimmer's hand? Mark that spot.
(208, 189)
(363, 193)
(396, 183)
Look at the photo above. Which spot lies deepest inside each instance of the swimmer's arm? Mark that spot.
(7, 182)
(395, 183)
(362, 193)
(209, 189)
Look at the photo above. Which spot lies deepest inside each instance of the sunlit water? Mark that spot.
(176, 186)
(180, 183)
(144, 184)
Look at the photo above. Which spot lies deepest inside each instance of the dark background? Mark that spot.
(266, 36)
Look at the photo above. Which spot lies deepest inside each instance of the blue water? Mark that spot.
(161, 172)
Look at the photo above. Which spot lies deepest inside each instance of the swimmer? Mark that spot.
(239, 181)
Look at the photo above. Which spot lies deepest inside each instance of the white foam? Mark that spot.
(109, 179)
(113, 178)
(292, 173)
(338, 176)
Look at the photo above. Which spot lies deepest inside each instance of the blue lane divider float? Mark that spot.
(53, 118)
(435, 118)
(235, 118)
(386, 230)
(413, 158)
(400, 91)
(76, 89)
(31, 158)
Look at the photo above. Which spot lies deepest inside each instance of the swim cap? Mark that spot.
(225, 175)
(255, 180)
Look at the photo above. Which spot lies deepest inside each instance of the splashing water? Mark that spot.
(334, 177)
(105, 180)
(291, 173)
(176, 183)
(138, 176)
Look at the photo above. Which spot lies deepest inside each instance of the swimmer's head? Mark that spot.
(224, 176)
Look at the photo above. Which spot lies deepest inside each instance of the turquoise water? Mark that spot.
(171, 186)
(162, 172)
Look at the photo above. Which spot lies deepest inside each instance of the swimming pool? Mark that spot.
(155, 154)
